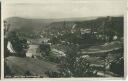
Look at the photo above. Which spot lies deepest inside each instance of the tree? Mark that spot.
(117, 66)
(7, 71)
(75, 66)
(45, 48)
(18, 44)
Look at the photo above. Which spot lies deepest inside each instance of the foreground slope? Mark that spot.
(19, 66)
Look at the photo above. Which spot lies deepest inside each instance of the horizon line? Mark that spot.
(66, 17)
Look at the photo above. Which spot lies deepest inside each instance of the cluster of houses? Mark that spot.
(91, 31)
(34, 49)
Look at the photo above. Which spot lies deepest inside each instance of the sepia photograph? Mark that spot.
(64, 39)
(0, 39)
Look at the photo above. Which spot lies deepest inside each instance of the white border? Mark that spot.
(2, 40)
(75, 79)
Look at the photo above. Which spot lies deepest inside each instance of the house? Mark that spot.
(83, 31)
(115, 37)
(73, 28)
(10, 47)
(33, 51)
(58, 53)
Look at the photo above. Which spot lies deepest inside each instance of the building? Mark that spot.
(84, 31)
(33, 51)
(10, 47)
(58, 53)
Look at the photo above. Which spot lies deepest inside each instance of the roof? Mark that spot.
(33, 49)
(58, 52)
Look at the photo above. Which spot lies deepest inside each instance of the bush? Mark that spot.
(7, 71)
(117, 66)
(18, 44)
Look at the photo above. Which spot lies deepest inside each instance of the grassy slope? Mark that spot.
(103, 48)
(19, 66)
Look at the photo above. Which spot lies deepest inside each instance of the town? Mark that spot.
(64, 48)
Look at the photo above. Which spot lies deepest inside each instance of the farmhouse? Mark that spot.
(33, 51)
(83, 31)
(58, 53)
(10, 47)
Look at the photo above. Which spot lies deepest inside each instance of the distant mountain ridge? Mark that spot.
(28, 26)
(55, 20)
(39, 24)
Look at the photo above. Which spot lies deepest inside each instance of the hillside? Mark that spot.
(94, 42)
(19, 66)
(55, 26)
(23, 24)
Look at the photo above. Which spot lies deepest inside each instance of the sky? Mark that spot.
(63, 8)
